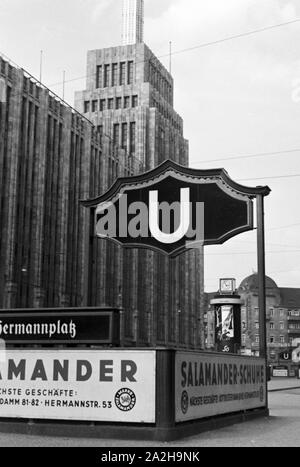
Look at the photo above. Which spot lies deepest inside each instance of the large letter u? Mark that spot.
(184, 218)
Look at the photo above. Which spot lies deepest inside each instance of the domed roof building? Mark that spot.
(251, 283)
(282, 316)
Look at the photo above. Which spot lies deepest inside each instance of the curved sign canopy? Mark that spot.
(174, 208)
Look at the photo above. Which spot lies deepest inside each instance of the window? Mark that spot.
(281, 312)
(272, 339)
(106, 75)
(272, 326)
(244, 339)
(256, 310)
(124, 135)
(243, 325)
(257, 339)
(257, 325)
(162, 142)
(116, 134)
(122, 73)
(271, 312)
(281, 325)
(282, 340)
(102, 105)
(130, 73)
(100, 131)
(134, 101)
(170, 93)
(114, 77)
(294, 313)
(86, 107)
(112, 169)
(126, 102)
(99, 76)
(94, 106)
(110, 104)
(132, 137)
(31, 88)
(118, 102)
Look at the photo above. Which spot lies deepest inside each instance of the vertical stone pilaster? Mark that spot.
(11, 227)
(187, 307)
(39, 176)
(63, 293)
(10, 295)
(84, 216)
(3, 109)
(200, 267)
(153, 299)
(38, 298)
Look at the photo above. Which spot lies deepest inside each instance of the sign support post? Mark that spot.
(261, 276)
(261, 281)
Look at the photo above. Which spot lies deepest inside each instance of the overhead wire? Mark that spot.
(201, 46)
(249, 156)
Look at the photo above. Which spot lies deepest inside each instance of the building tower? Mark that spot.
(133, 22)
(129, 98)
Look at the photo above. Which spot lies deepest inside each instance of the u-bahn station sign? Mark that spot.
(78, 372)
(173, 208)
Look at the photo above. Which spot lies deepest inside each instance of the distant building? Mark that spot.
(133, 22)
(282, 315)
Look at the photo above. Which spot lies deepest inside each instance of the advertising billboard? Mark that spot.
(83, 385)
(214, 384)
(227, 328)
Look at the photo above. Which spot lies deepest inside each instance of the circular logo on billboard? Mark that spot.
(184, 402)
(125, 399)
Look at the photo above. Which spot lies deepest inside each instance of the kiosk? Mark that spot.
(227, 305)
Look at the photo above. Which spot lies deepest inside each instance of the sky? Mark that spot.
(238, 98)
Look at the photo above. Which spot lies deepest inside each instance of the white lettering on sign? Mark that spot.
(38, 329)
(147, 219)
(116, 386)
(184, 217)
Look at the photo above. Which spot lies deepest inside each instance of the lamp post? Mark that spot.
(261, 277)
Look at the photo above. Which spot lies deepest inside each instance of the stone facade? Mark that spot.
(51, 157)
(45, 157)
